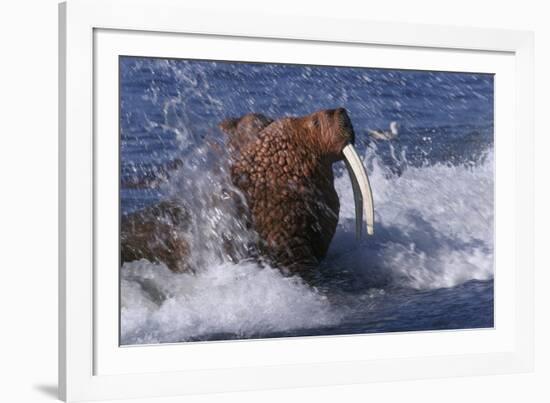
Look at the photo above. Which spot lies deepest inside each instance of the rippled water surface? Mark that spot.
(429, 265)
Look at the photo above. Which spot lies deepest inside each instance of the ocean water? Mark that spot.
(429, 265)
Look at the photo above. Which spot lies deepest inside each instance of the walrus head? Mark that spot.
(330, 133)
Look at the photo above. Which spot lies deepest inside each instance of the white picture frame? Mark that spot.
(92, 366)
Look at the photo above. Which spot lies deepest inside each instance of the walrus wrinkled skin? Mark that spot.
(284, 169)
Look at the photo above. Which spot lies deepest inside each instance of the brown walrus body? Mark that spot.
(284, 170)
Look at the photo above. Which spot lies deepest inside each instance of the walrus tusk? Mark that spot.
(362, 193)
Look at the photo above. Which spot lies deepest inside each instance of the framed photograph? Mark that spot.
(244, 206)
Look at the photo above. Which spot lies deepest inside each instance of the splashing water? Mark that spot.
(224, 301)
(434, 225)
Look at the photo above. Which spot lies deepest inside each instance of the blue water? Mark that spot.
(429, 265)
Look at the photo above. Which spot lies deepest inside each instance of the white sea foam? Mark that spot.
(238, 299)
(434, 228)
(434, 225)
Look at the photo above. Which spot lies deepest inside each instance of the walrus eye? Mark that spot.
(315, 123)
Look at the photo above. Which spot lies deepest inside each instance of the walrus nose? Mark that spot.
(345, 123)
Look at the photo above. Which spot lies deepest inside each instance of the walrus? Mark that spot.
(284, 170)
(156, 233)
(243, 130)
